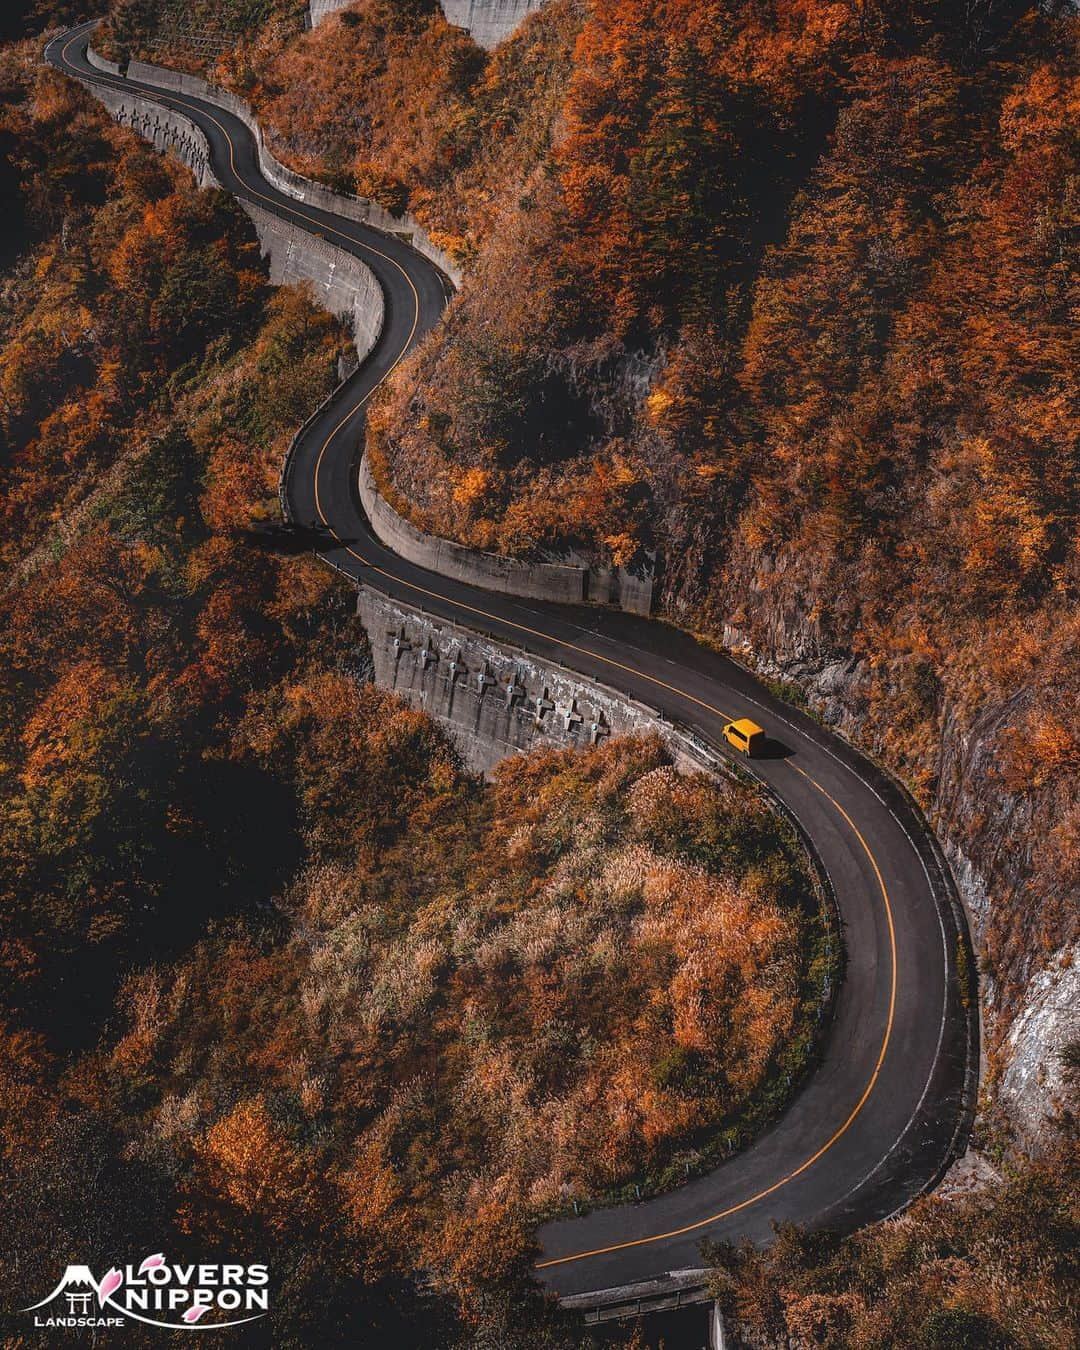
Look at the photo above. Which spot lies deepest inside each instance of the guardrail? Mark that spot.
(665, 1293)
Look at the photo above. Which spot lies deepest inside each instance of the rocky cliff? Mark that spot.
(1006, 832)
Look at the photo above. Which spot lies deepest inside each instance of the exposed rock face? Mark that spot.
(1032, 1088)
(999, 833)
(969, 1176)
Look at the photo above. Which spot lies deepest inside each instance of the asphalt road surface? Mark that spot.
(878, 1121)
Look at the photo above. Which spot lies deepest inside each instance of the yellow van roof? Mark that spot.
(747, 727)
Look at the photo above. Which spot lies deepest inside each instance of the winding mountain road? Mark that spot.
(877, 1122)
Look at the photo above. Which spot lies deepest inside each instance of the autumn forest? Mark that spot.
(773, 299)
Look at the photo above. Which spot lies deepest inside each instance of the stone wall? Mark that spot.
(488, 22)
(294, 185)
(498, 700)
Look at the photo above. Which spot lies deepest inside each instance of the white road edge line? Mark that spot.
(769, 712)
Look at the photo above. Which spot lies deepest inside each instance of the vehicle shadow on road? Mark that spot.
(774, 749)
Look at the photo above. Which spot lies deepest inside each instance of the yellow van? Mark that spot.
(745, 735)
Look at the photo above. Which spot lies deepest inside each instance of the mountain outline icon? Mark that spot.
(73, 1275)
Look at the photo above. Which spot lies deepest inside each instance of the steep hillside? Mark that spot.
(989, 1270)
(281, 978)
(785, 293)
(386, 100)
(486, 1003)
(139, 463)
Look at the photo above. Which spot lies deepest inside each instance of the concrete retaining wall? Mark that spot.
(99, 63)
(537, 581)
(488, 22)
(498, 700)
(663, 1293)
(341, 283)
(170, 131)
(322, 9)
(294, 185)
(566, 583)
(631, 591)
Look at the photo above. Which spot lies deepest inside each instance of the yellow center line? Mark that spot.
(615, 665)
(769, 1190)
(160, 97)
